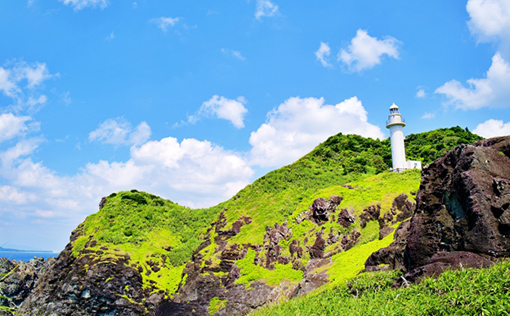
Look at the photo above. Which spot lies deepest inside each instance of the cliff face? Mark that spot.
(462, 217)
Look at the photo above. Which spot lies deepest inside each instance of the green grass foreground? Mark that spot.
(460, 292)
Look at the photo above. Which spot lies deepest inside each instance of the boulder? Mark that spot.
(462, 214)
(463, 204)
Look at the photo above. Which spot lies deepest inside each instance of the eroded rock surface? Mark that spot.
(462, 216)
(89, 285)
(18, 279)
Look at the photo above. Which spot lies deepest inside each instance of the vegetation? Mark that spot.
(216, 304)
(148, 228)
(429, 146)
(145, 227)
(460, 292)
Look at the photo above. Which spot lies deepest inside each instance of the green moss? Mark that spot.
(216, 304)
(251, 272)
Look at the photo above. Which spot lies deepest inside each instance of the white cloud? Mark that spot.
(265, 8)
(19, 81)
(493, 90)
(12, 126)
(228, 109)
(365, 51)
(23, 148)
(233, 53)
(428, 116)
(9, 194)
(421, 93)
(492, 128)
(298, 125)
(120, 132)
(489, 21)
(81, 4)
(322, 53)
(164, 22)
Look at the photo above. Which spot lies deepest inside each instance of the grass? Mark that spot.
(146, 228)
(460, 292)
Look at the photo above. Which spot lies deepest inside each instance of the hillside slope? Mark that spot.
(299, 227)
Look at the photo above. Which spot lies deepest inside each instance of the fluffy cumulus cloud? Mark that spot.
(120, 132)
(493, 90)
(164, 22)
(265, 8)
(323, 53)
(81, 4)
(366, 51)
(492, 128)
(227, 109)
(298, 125)
(489, 21)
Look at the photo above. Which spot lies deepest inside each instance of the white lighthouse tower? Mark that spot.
(398, 152)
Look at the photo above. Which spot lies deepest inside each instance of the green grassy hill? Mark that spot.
(154, 232)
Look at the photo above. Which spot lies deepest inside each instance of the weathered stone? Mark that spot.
(462, 215)
(346, 217)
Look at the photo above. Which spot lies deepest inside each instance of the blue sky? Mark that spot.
(193, 100)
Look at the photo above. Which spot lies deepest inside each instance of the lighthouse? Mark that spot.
(396, 125)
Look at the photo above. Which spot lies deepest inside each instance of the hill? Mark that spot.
(300, 227)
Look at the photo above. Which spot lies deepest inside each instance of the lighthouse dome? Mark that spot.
(393, 107)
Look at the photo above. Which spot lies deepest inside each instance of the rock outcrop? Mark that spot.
(88, 285)
(462, 216)
(18, 279)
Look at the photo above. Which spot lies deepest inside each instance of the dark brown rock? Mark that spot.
(317, 250)
(346, 217)
(463, 204)
(371, 213)
(385, 232)
(462, 215)
(443, 261)
(393, 255)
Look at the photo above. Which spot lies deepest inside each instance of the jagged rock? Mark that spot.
(405, 207)
(317, 250)
(371, 213)
(346, 217)
(20, 278)
(102, 203)
(393, 255)
(321, 210)
(460, 206)
(462, 215)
